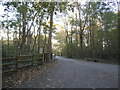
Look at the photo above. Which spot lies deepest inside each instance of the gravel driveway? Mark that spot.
(73, 73)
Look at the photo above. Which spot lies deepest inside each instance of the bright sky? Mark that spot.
(58, 19)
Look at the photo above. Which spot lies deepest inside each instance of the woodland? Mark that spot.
(86, 31)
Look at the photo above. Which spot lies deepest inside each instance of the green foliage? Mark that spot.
(95, 29)
(100, 34)
(89, 59)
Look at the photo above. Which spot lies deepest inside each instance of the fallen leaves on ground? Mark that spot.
(26, 74)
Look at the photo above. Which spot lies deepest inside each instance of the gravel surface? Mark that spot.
(73, 73)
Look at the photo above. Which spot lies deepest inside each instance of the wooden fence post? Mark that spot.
(42, 58)
(39, 59)
(16, 62)
(32, 59)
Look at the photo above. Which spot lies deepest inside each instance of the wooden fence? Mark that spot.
(11, 64)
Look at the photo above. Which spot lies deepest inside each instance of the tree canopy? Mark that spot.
(86, 30)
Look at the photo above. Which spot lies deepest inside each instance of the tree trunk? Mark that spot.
(8, 43)
(45, 41)
(80, 33)
(76, 37)
(49, 47)
(39, 32)
(67, 45)
(23, 29)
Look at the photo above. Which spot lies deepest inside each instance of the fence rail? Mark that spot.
(13, 63)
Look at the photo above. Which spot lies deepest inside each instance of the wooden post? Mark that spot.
(32, 59)
(41, 51)
(40, 61)
(43, 58)
(16, 62)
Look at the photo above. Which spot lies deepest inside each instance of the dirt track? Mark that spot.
(73, 73)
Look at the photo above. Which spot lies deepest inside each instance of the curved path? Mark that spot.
(73, 73)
